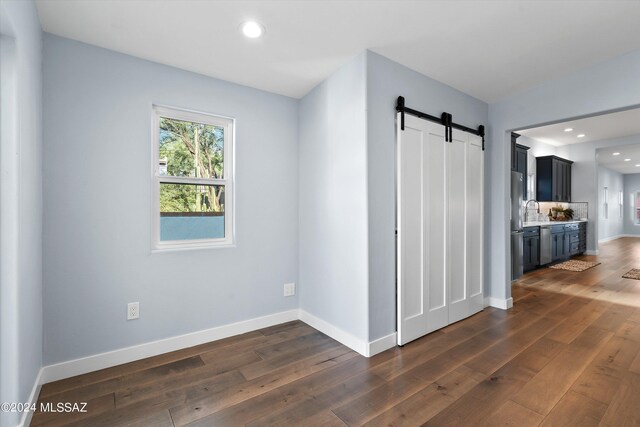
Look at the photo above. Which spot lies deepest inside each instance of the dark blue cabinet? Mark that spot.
(553, 176)
(531, 248)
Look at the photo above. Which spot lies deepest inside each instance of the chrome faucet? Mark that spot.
(526, 209)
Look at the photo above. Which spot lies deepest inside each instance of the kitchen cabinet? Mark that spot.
(514, 159)
(531, 248)
(572, 236)
(564, 241)
(568, 240)
(519, 160)
(559, 245)
(553, 175)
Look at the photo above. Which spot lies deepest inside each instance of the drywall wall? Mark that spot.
(386, 80)
(333, 242)
(631, 190)
(20, 203)
(608, 86)
(584, 178)
(97, 229)
(610, 225)
(536, 149)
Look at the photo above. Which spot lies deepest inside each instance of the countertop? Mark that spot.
(541, 223)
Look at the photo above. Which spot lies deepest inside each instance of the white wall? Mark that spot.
(613, 225)
(584, 178)
(333, 240)
(97, 229)
(605, 87)
(536, 149)
(631, 189)
(20, 203)
(386, 80)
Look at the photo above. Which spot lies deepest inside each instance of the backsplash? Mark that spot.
(580, 210)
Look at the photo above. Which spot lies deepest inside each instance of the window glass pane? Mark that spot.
(191, 149)
(189, 211)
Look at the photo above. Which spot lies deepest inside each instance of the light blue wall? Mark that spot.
(97, 229)
(536, 149)
(21, 204)
(631, 189)
(333, 200)
(613, 225)
(584, 178)
(386, 80)
(607, 86)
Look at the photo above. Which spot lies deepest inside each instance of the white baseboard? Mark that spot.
(619, 236)
(590, 252)
(33, 397)
(608, 239)
(503, 304)
(108, 359)
(129, 354)
(382, 344)
(336, 333)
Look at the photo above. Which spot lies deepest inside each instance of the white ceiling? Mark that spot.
(595, 128)
(489, 49)
(606, 158)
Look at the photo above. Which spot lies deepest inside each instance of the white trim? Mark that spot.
(108, 359)
(124, 355)
(33, 397)
(336, 333)
(503, 304)
(619, 236)
(608, 239)
(382, 344)
(590, 252)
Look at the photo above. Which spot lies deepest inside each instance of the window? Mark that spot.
(637, 208)
(621, 203)
(192, 179)
(605, 204)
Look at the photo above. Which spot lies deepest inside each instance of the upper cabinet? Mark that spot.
(519, 160)
(553, 175)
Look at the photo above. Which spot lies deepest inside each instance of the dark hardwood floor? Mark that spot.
(568, 353)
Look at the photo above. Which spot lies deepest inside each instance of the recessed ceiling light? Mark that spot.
(616, 154)
(638, 166)
(252, 29)
(627, 160)
(568, 129)
(581, 135)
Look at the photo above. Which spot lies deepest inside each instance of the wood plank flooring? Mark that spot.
(568, 353)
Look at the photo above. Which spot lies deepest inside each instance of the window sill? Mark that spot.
(192, 248)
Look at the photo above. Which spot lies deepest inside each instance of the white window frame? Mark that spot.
(227, 180)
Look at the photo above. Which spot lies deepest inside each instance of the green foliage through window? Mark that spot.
(193, 150)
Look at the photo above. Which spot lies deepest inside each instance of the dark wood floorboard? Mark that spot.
(567, 354)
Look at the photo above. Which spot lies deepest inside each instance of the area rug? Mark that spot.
(575, 265)
(634, 273)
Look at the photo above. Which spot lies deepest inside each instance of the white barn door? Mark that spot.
(439, 215)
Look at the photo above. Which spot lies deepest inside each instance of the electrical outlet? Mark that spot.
(133, 310)
(289, 289)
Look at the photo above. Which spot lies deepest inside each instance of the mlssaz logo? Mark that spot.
(63, 407)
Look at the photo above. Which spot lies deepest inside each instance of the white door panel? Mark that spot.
(439, 214)
(421, 185)
(457, 227)
(475, 220)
